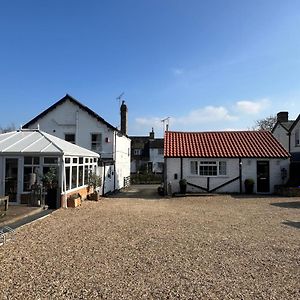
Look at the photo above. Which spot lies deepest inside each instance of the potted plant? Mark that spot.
(94, 181)
(50, 182)
(182, 185)
(249, 185)
(74, 200)
(161, 190)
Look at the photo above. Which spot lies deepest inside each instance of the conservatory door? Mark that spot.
(11, 178)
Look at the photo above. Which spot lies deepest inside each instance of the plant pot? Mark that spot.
(94, 196)
(182, 188)
(51, 198)
(74, 202)
(249, 188)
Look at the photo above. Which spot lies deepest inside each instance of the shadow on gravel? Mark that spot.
(29, 219)
(293, 204)
(142, 191)
(252, 196)
(292, 224)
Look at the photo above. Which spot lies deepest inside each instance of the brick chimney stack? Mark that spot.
(124, 119)
(151, 134)
(282, 116)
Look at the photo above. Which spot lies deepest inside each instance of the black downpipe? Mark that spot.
(240, 175)
(181, 168)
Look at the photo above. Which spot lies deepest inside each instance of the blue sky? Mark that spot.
(208, 65)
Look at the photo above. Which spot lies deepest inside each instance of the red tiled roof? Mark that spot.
(259, 144)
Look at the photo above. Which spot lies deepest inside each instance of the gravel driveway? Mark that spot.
(220, 247)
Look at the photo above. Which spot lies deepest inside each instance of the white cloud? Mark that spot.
(195, 118)
(252, 107)
(177, 71)
(152, 121)
(205, 115)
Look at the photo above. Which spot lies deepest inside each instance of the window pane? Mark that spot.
(67, 160)
(28, 160)
(27, 177)
(70, 137)
(86, 174)
(96, 144)
(50, 160)
(36, 160)
(222, 168)
(74, 177)
(208, 170)
(194, 167)
(81, 160)
(74, 160)
(80, 176)
(67, 178)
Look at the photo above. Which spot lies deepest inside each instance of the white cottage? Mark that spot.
(27, 155)
(222, 161)
(287, 132)
(74, 122)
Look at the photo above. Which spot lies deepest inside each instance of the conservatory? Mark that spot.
(31, 159)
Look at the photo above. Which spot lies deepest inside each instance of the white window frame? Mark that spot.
(137, 152)
(35, 168)
(220, 165)
(96, 145)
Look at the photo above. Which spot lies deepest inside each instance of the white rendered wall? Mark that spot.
(295, 148)
(122, 158)
(156, 158)
(109, 178)
(281, 135)
(249, 170)
(69, 118)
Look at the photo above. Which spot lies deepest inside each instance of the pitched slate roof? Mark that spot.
(285, 125)
(230, 144)
(34, 141)
(76, 102)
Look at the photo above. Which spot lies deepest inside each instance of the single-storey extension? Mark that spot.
(27, 155)
(222, 161)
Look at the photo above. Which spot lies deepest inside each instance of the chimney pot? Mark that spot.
(151, 134)
(282, 116)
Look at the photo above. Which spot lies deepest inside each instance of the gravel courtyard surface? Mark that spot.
(221, 247)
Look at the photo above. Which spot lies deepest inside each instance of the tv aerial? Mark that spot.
(165, 121)
(120, 98)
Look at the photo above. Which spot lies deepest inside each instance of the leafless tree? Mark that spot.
(8, 128)
(265, 124)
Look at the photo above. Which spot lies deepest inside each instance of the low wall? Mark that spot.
(83, 192)
(287, 191)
